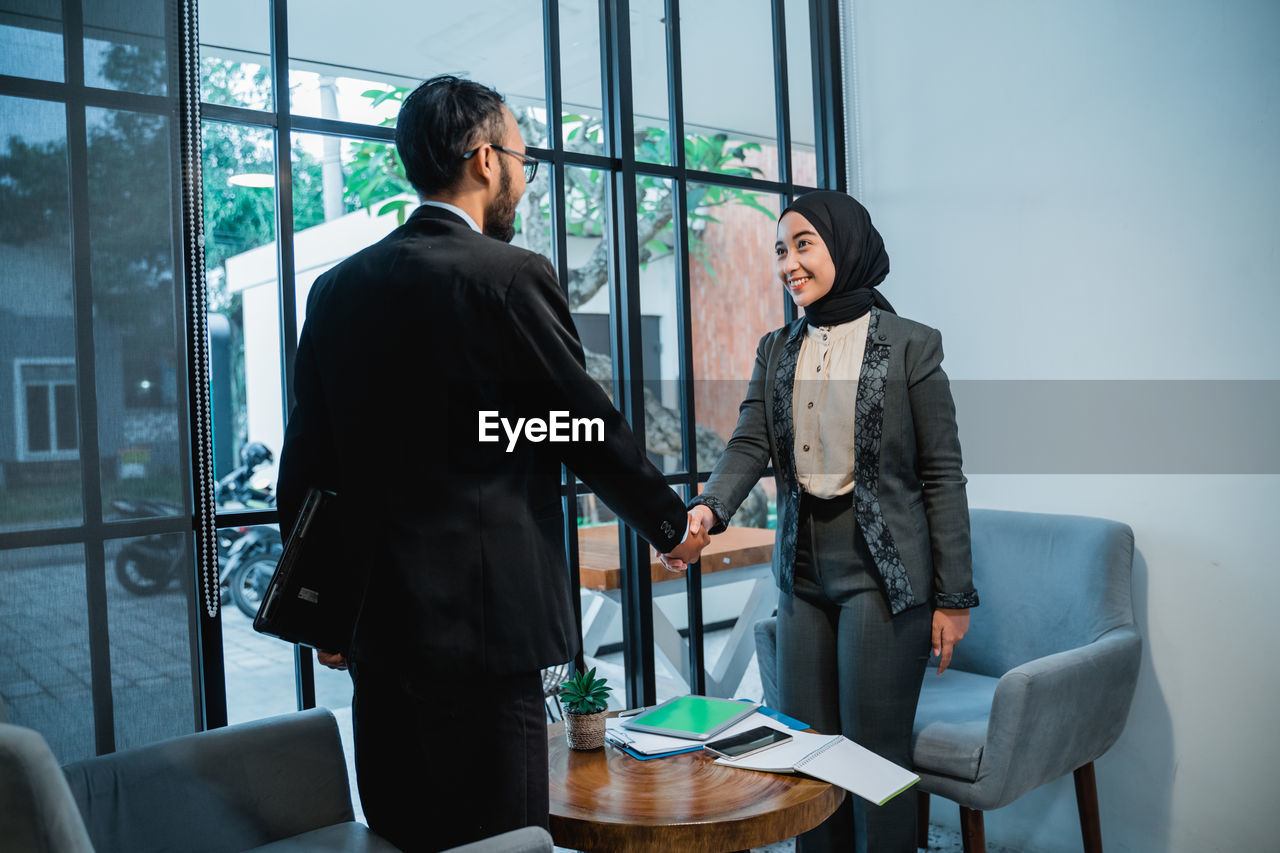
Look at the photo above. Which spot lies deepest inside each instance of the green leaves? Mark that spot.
(584, 693)
(374, 173)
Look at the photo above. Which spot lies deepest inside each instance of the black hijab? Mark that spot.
(857, 250)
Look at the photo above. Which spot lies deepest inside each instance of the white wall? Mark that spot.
(1091, 191)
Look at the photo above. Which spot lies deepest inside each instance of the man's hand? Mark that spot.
(700, 521)
(333, 660)
(949, 628)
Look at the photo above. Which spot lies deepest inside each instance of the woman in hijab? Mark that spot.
(851, 406)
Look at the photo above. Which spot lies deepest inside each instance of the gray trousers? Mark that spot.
(846, 665)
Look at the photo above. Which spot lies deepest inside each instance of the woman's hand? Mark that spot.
(949, 628)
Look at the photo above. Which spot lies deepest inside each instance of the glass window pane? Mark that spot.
(125, 46)
(44, 671)
(259, 669)
(131, 216)
(730, 103)
(39, 438)
(147, 608)
(737, 591)
(341, 58)
(649, 81)
(31, 39)
(659, 321)
(601, 594)
(734, 300)
(64, 407)
(586, 218)
(804, 160)
(533, 215)
(581, 89)
(240, 272)
(39, 482)
(348, 194)
(235, 53)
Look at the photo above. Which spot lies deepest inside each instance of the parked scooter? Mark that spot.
(253, 554)
(151, 564)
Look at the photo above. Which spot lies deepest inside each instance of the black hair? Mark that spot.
(440, 121)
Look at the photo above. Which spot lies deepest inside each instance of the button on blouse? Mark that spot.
(826, 397)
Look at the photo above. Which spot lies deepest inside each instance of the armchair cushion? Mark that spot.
(951, 723)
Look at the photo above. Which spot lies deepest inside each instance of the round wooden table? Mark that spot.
(605, 800)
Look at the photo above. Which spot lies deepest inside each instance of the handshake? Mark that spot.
(689, 551)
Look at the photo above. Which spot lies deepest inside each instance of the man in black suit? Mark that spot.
(418, 358)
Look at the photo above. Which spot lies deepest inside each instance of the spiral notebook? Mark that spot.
(834, 759)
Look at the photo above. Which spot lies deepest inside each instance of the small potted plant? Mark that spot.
(585, 701)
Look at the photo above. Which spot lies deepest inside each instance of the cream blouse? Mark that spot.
(825, 399)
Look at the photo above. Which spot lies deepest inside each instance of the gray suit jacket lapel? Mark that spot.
(868, 430)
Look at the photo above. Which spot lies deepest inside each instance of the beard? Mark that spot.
(500, 215)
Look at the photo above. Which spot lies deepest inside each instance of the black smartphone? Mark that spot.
(736, 746)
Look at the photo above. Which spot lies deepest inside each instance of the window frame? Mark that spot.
(93, 531)
(624, 169)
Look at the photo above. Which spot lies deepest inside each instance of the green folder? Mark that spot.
(692, 717)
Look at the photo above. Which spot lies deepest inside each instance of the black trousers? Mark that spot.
(443, 761)
(846, 665)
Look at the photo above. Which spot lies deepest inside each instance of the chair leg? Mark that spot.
(972, 834)
(922, 820)
(1087, 803)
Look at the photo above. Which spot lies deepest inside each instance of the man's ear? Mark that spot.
(480, 167)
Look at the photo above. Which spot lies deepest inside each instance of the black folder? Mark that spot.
(316, 592)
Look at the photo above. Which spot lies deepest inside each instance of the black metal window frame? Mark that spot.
(624, 169)
(187, 114)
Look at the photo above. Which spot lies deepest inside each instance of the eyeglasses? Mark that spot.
(530, 165)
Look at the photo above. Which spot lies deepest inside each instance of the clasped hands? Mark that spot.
(690, 550)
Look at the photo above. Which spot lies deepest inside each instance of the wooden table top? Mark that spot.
(605, 800)
(736, 547)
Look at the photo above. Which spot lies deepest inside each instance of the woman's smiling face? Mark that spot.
(804, 264)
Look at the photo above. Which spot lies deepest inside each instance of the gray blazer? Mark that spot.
(909, 491)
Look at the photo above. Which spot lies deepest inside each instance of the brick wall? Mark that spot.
(734, 308)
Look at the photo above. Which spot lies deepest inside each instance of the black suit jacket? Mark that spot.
(404, 345)
(909, 490)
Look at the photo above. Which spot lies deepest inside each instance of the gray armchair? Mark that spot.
(277, 785)
(1042, 684)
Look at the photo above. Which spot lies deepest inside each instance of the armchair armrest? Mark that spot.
(1057, 713)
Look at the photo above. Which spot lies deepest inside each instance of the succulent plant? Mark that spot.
(584, 693)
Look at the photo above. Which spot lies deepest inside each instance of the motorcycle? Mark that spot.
(151, 564)
(253, 554)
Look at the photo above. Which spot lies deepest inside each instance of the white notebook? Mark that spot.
(834, 759)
